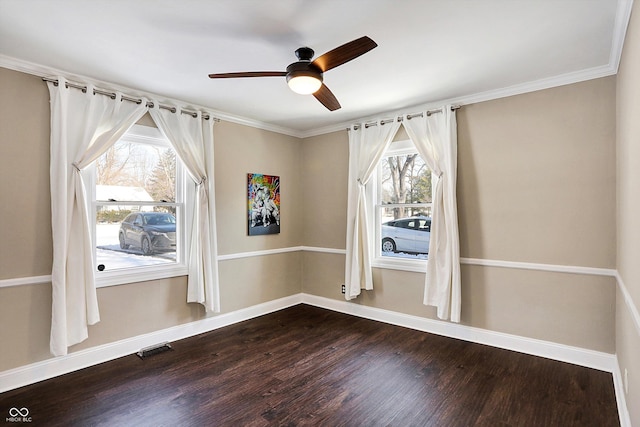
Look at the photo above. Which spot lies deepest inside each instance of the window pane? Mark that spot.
(405, 231)
(136, 210)
(404, 179)
(135, 171)
(135, 235)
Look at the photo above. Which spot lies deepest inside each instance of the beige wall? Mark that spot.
(25, 211)
(240, 150)
(536, 176)
(628, 221)
(325, 166)
(536, 184)
(138, 308)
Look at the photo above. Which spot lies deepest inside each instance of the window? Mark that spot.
(138, 202)
(403, 208)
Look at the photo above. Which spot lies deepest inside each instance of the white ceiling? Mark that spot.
(429, 51)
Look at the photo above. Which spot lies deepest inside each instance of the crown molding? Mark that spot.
(44, 71)
(547, 83)
(623, 13)
(519, 89)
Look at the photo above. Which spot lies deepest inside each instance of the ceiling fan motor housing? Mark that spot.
(304, 53)
(305, 76)
(303, 68)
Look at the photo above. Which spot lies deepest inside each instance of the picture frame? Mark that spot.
(263, 204)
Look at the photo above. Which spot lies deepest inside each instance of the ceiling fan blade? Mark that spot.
(327, 98)
(249, 74)
(344, 53)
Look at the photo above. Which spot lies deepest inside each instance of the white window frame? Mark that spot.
(184, 205)
(393, 263)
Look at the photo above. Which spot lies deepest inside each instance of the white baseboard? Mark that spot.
(618, 384)
(576, 355)
(39, 371)
(53, 367)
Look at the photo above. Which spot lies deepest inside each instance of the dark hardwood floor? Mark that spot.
(309, 366)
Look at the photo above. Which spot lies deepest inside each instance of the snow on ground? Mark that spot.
(109, 254)
(404, 255)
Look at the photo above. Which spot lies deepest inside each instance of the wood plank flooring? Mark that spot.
(306, 366)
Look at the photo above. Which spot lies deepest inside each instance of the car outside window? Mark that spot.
(402, 208)
(138, 202)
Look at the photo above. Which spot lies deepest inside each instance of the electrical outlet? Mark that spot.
(343, 289)
(625, 380)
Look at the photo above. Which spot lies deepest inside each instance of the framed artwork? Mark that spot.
(263, 204)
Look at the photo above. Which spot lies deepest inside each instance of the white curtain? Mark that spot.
(367, 145)
(83, 126)
(435, 137)
(192, 138)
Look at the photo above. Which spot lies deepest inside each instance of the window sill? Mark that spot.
(132, 275)
(389, 263)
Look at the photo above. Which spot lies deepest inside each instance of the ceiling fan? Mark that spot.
(305, 76)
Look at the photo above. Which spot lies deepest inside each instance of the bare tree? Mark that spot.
(399, 166)
(112, 165)
(126, 164)
(406, 179)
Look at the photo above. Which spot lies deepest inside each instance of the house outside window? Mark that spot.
(403, 202)
(138, 197)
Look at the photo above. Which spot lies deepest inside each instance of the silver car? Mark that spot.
(407, 235)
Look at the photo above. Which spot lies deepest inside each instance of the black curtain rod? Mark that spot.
(112, 95)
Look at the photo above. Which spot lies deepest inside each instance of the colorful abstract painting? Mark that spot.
(263, 204)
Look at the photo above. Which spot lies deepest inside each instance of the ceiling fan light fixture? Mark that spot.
(303, 77)
(304, 84)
